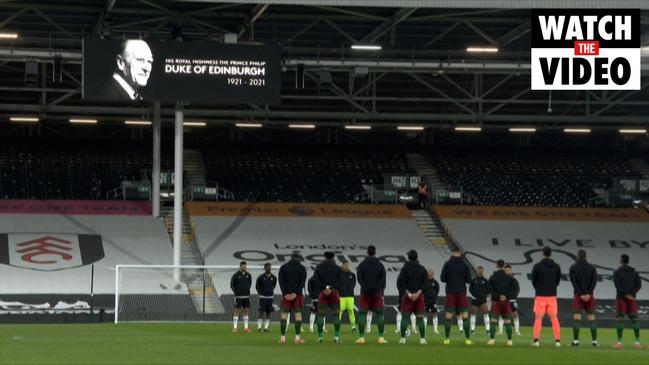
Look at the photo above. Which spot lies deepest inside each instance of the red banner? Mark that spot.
(75, 207)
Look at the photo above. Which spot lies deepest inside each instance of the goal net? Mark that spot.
(167, 293)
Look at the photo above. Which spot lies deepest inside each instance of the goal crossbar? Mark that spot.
(172, 272)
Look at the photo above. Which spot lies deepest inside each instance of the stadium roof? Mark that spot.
(471, 4)
(423, 73)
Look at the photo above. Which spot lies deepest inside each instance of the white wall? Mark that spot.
(126, 240)
(223, 239)
(604, 242)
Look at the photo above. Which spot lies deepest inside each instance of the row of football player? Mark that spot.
(330, 282)
(478, 290)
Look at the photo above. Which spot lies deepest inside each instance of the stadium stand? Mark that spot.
(299, 175)
(123, 233)
(518, 234)
(228, 232)
(272, 173)
(529, 176)
(54, 170)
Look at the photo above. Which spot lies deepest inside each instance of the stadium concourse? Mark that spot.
(319, 181)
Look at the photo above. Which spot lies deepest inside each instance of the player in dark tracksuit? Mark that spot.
(456, 274)
(328, 278)
(240, 284)
(513, 303)
(500, 285)
(292, 277)
(401, 290)
(413, 278)
(430, 298)
(314, 292)
(371, 278)
(479, 290)
(628, 284)
(265, 286)
(583, 277)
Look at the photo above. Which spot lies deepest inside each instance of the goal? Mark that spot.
(167, 293)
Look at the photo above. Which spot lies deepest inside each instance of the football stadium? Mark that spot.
(324, 182)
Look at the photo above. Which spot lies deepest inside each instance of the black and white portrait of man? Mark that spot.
(133, 66)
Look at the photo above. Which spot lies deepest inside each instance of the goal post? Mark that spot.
(168, 293)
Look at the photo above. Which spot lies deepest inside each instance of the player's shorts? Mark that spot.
(478, 302)
(409, 306)
(501, 308)
(373, 302)
(579, 305)
(242, 302)
(625, 306)
(456, 303)
(346, 304)
(265, 305)
(545, 305)
(314, 305)
(431, 307)
(513, 304)
(329, 301)
(295, 304)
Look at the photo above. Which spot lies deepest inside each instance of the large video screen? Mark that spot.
(137, 69)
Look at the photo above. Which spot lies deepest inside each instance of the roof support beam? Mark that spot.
(249, 24)
(302, 31)
(100, 24)
(615, 102)
(440, 92)
(340, 92)
(341, 31)
(12, 17)
(480, 32)
(353, 13)
(513, 34)
(386, 26)
(441, 35)
(516, 96)
(53, 23)
(126, 112)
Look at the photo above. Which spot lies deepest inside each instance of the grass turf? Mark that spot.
(214, 344)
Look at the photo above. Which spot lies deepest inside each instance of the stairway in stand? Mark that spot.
(433, 230)
(426, 170)
(194, 167)
(200, 282)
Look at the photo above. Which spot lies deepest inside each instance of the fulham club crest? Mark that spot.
(50, 251)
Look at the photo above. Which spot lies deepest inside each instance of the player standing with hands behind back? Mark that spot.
(500, 285)
(456, 274)
(584, 279)
(546, 276)
(292, 277)
(628, 284)
(328, 278)
(413, 278)
(371, 277)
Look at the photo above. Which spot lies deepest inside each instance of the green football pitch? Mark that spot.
(214, 344)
